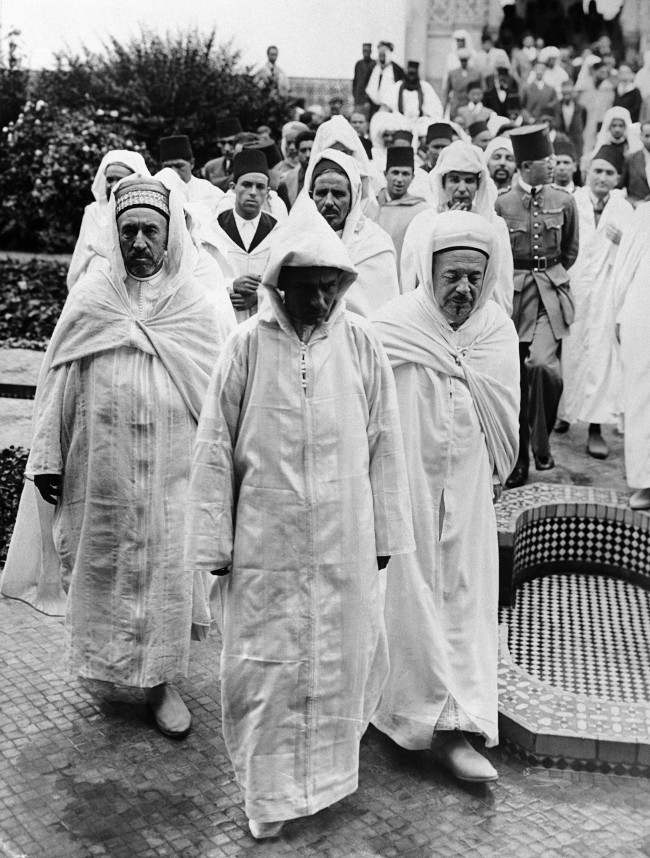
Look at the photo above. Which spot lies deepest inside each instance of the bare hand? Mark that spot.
(497, 491)
(613, 233)
(244, 296)
(49, 485)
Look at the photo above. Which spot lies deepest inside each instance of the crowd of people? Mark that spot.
(283, 398)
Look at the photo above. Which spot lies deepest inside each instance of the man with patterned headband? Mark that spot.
(117, 406)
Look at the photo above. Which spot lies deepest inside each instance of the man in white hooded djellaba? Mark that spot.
(298, 494)
(333, 182)
(455, 357)
(92, 247)
(117, 406)
(460, 181)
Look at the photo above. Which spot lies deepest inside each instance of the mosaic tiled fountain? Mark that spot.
(574, 670)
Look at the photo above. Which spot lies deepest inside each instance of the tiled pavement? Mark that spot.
(80, 778)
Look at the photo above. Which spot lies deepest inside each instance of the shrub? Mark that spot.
(32, 295)
(165, 84)
(12, 469)
(48, 158)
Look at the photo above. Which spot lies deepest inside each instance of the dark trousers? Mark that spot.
(541, 389)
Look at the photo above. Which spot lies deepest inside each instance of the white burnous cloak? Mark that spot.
(458, 394)
(299, 482)
(117, 406)
(591, 362)
(632, 301)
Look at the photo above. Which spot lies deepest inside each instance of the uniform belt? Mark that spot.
(539, 263)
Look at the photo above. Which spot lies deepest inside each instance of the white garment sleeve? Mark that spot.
(209, 529)
(45, 455)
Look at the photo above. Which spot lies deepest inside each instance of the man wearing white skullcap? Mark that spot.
(455, 358)
(500, 161)
(298, 495)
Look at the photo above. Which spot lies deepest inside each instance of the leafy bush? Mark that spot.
(165, 84)
(48, 158)
(32, 295)
(12, 469)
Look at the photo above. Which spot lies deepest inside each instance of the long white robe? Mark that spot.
(591, 363)
(234, 261)
(117, 405)
(632, 297)
(458, 393)
(441, 601)
(300, 488)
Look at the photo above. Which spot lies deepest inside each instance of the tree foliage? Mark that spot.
(48, 158)
(165, 84)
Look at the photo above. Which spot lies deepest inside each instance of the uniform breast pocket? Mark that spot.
(553, 222)
(519, 237)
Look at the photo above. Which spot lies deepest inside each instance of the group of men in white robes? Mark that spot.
(164, 483)
(279, 537)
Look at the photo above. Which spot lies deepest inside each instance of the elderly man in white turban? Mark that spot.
(298, 495)
(334, 184)
(455, 357)
(117, 406)
(92, 249)
(460, 182)
(632, 308)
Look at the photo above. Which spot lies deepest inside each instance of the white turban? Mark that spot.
(306, 239)
(129, 159)
(494, 145)
(466, 158)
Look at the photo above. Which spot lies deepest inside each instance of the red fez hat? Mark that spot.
(477, 128)
(440, 131)
(613, 155)
(175, 148)
(249, 161)
(399, 156)
(565, 147)
(531, 143)
(270, 151)
(229, 127)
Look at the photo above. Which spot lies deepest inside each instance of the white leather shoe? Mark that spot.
(171, 714)
(453, 751)
(263, 830)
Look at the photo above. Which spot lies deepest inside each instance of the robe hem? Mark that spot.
(420, 739)
(350, 786)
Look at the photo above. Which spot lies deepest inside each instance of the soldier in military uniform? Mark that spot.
(543, 226)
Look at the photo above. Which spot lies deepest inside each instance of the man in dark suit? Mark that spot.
(219, 170)
(543, 225)
(496, 96)
(637, 170)
(362, 71)
(239, 238)
(571, 117)
(537, 96)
